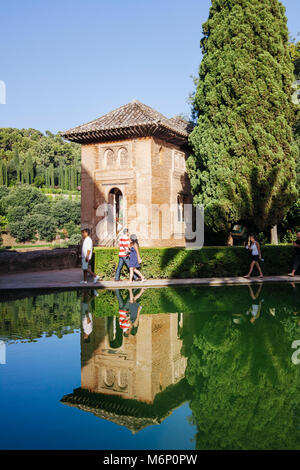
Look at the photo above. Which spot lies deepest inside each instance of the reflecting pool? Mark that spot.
(170, 368)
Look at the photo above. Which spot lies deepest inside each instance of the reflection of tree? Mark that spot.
(245, 387)
(52, 314)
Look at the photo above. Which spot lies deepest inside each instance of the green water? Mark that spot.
(201, 368)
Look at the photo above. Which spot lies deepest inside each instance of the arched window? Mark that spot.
(109, 158)
(123, 157)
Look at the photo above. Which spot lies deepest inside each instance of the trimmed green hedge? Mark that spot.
(179, 263)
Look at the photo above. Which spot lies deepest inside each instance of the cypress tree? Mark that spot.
(51, 175)
(61, 177)
(5, 175)
(242, 166)
(74, 177)
(67, 177)
(29, 173)
(47, 179)
(1, 174)
(19, 174)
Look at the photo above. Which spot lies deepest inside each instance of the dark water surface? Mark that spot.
(198, 368)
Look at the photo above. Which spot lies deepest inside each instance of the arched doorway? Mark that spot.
(116, 211)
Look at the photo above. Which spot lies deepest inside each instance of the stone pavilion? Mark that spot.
(134, 175)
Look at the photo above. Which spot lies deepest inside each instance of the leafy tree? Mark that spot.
(26, 153)
(3, 223)
(65, 211)
(295, 55)
(292, 220)
(75, 239)
(24, 195)
(3, 173)
(39, 181)
(22, 230)
(42, 209)
(16, 213)
(45, 225)
(72, 229)
(4, 191)
(242, 166)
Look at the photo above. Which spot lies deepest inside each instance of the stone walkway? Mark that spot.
(70, 278)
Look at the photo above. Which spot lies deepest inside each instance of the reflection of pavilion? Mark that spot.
(134, 381)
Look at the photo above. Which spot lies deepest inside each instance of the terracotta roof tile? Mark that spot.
(134, 119)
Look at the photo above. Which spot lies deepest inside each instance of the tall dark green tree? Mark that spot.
(242, 166)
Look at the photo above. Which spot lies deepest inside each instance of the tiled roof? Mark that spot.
(133, 414)
(134, 119)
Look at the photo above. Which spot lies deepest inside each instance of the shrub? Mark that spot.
(72, 229)
(3, 223)
(45, 226)
(208, 262)
(289, 236)
(14, 214)
(75, 239)
(24, 195)
(22, 230)
(42, 209)
(39, 181)
(47, 229)
(3, 191)
(65, 211)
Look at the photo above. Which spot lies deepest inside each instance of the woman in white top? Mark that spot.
(254, 246)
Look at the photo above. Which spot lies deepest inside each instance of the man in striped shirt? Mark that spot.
(124, 250)
(124, 318)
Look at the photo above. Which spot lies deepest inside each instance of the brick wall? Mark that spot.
(153, 175)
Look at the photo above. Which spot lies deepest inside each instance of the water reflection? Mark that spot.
(232, 353)
(132, 369)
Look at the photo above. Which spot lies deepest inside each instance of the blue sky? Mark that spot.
(66, 62)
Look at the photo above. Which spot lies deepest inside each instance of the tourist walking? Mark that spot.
(129, 311)
(134, 313)
(296, 262)
(86, 256)
(254, 247)
(135, 259)
(124, 251)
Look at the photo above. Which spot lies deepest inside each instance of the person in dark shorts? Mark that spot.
(254, 247)
(296, 262)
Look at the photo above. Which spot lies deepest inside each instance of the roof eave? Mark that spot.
(122, 133)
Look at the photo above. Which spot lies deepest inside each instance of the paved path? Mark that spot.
(70, 278)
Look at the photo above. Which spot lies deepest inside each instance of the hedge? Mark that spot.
(179, 263)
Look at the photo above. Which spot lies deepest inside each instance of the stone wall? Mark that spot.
(38, 260)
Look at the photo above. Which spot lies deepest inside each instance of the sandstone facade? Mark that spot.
(138, 180)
